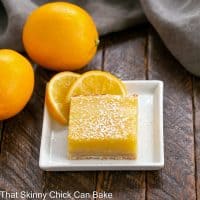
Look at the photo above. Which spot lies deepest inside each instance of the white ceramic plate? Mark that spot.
(53, 150)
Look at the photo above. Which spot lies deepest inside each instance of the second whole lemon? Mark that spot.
(16, 83)
(60, 36)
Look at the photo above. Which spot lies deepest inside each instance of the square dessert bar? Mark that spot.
(103, 127)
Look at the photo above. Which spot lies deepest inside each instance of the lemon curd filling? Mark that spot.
(103, 127)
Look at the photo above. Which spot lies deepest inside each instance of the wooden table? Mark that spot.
(137, 53)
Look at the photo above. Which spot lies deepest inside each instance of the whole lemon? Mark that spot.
(16, 83)
(60, 36)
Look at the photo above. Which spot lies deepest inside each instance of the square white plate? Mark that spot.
(53, 155)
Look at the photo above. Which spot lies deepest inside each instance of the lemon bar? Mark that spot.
(103, 127)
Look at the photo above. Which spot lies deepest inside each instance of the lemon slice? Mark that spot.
(96, 83)
(56, 92)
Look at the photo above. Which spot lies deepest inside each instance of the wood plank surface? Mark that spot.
(124, 54)
(124, 57)
(132, 54)
(1, 133)
(75, 181)
(177, 179)
(196, 86)
(19, 169)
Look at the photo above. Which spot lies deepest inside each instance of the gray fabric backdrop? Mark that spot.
(177, 22)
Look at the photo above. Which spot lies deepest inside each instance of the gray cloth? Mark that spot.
(177, 22)
(109, 15)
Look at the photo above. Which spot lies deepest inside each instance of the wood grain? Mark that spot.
(124, 57)
(19, 168)
(75, 181)
(177, 179)
(125, 54)
(1, 133)
(196, 86)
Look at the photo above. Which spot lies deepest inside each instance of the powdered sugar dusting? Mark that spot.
(103, 117)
